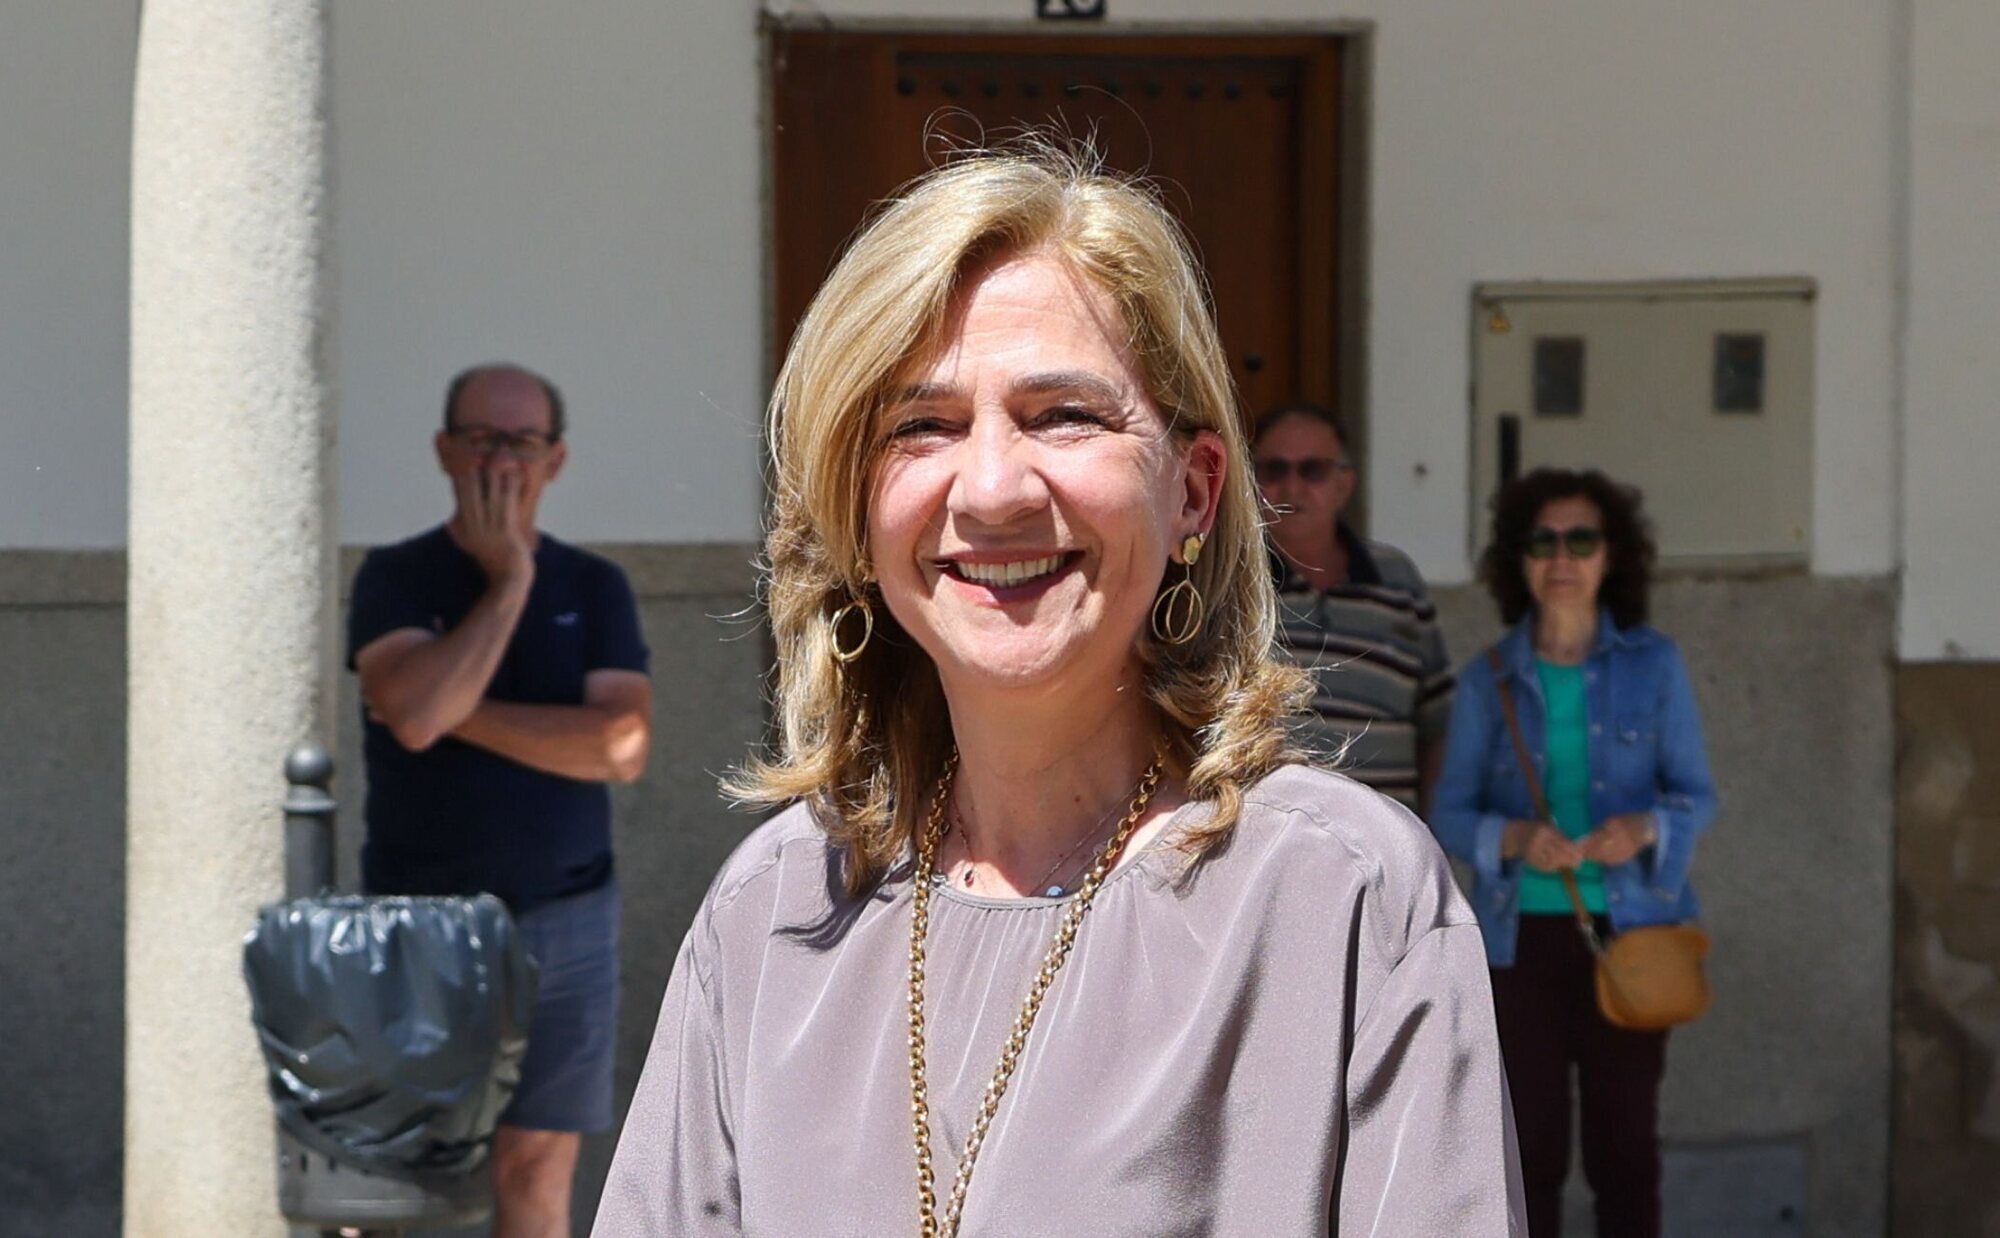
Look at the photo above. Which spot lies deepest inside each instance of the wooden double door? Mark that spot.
(1241, 134)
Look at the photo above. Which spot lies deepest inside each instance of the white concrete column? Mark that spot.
(230, 602)
(1951, 435)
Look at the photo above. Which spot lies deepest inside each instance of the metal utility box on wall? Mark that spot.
(1700, 393)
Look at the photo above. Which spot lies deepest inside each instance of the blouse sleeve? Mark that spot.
(675, 1169)
(1430, 1132)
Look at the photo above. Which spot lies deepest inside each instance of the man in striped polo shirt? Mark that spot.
(1352, 611)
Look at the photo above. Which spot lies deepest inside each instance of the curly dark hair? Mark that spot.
(1628, 541)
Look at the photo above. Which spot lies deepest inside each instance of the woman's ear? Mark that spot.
(1205, 462)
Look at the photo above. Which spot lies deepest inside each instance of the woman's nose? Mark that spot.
(997, 480)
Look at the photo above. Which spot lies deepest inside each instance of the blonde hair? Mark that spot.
(864, 743)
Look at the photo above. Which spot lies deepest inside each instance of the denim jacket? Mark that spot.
(1646, 755)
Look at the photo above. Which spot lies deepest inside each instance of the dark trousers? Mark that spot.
(1546, 1004)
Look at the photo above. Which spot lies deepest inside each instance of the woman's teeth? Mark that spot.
(1001, 575)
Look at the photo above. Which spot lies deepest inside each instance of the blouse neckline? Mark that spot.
(1030, 902)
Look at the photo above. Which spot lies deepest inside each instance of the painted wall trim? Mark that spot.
(86, 578)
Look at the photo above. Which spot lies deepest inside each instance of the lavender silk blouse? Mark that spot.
(1292, 1036)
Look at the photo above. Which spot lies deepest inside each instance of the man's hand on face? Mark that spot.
(494, 527)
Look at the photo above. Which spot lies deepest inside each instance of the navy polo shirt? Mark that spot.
(456, 818)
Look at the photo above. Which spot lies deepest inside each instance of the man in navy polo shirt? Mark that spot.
(503, 676)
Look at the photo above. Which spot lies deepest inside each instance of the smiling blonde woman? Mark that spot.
(1051, 939)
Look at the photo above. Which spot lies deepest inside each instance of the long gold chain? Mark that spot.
(929, 1225)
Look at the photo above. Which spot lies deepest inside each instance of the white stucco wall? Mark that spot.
(1951, 449)
(574, 187)
(582, 189)
(1535, 139)
(65, 200)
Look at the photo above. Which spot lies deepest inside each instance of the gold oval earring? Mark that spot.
(1177, 613)
(867, 612)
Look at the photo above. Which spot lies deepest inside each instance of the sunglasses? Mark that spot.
(1581, 542)
(1312, 470)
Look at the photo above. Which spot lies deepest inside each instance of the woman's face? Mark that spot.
(1564, 578)
(1026, 492)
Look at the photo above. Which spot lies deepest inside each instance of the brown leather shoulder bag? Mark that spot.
(1648, 978)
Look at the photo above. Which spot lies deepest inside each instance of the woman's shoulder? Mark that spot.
(1315, 825)
(1312, 806)
(787, 841)
(786, 871)
(1649, 645)
(1478, 669)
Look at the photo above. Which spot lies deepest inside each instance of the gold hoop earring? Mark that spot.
(1177, 613)
(844, 656)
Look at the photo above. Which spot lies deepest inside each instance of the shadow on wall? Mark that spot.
(62, 894)
(1947, 1026)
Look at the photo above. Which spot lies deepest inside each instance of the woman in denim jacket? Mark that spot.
(1609, 715)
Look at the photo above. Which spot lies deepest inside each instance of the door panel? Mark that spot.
(1238, 134)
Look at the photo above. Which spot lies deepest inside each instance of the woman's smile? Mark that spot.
(1010, 579)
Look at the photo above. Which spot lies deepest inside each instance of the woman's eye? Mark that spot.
(914, 427)
(1069, 415)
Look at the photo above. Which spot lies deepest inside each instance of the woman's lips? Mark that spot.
(1013, 578)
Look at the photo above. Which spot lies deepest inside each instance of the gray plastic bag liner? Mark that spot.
(393, 1027)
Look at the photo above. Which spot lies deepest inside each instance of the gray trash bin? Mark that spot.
(393, 1031)
(317, 1190)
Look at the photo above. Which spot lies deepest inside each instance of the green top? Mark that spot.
(1567, 784)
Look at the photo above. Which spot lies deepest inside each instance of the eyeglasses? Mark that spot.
(1581, 542)
(1312, 470)
(486, 441)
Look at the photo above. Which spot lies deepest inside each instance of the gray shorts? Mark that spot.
(566, 1078)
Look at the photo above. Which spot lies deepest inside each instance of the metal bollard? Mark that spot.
(309, 806)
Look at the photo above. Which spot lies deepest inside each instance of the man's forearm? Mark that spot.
(433, 687)
(592, 743)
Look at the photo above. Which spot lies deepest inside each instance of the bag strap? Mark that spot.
(1584, 923)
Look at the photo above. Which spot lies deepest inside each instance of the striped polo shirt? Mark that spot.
(1373, 646)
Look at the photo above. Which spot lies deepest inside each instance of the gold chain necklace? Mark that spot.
(929, 1224)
